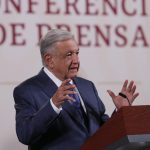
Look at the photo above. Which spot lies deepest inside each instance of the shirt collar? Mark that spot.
(53, 77)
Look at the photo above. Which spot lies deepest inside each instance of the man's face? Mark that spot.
(66, 60)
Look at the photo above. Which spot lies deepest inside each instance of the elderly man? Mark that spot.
(56, 110)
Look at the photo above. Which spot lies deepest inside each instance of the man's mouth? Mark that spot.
(73, 68)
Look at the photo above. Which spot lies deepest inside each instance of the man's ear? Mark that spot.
(48, 58)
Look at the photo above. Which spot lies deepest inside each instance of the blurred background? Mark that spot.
(114, 41)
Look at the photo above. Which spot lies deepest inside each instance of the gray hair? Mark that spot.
(48, 42)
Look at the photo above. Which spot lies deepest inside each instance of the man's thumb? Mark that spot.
(112, 95)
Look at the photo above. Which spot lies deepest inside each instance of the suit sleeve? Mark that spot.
(31, 123)
(103, 117)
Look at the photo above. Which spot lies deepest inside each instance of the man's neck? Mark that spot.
(53, 77)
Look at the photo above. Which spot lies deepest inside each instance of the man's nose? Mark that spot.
(75, 58)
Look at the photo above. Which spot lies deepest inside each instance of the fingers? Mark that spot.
(62, 93)
(68, 87)
(69, 92)
(65, 85)
(133, 89)
(130, 86)
(129, 91)
(124, 85)
(134, 97)
(69, 98)
(115, 99)
(112, 95)
(65, 82)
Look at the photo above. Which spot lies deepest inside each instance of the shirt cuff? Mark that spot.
(57, 110)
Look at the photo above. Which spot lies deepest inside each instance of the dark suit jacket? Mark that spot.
(40, 127)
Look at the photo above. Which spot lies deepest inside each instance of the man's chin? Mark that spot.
(72, 75)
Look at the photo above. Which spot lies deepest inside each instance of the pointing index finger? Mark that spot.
(65, 82)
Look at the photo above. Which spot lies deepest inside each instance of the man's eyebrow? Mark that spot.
(72, 51)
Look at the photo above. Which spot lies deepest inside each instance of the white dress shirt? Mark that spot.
(58, 83)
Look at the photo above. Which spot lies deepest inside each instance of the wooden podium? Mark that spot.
(127, 129)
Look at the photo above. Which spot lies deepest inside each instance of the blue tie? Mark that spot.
(76, 101)
(77, 104)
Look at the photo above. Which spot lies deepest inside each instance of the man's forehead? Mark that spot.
(68, 49)
(72, 50)
(67, 46)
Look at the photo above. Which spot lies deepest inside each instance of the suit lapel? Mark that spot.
(46, 84)
(84, 95)
(86, 99)
(83, 91)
